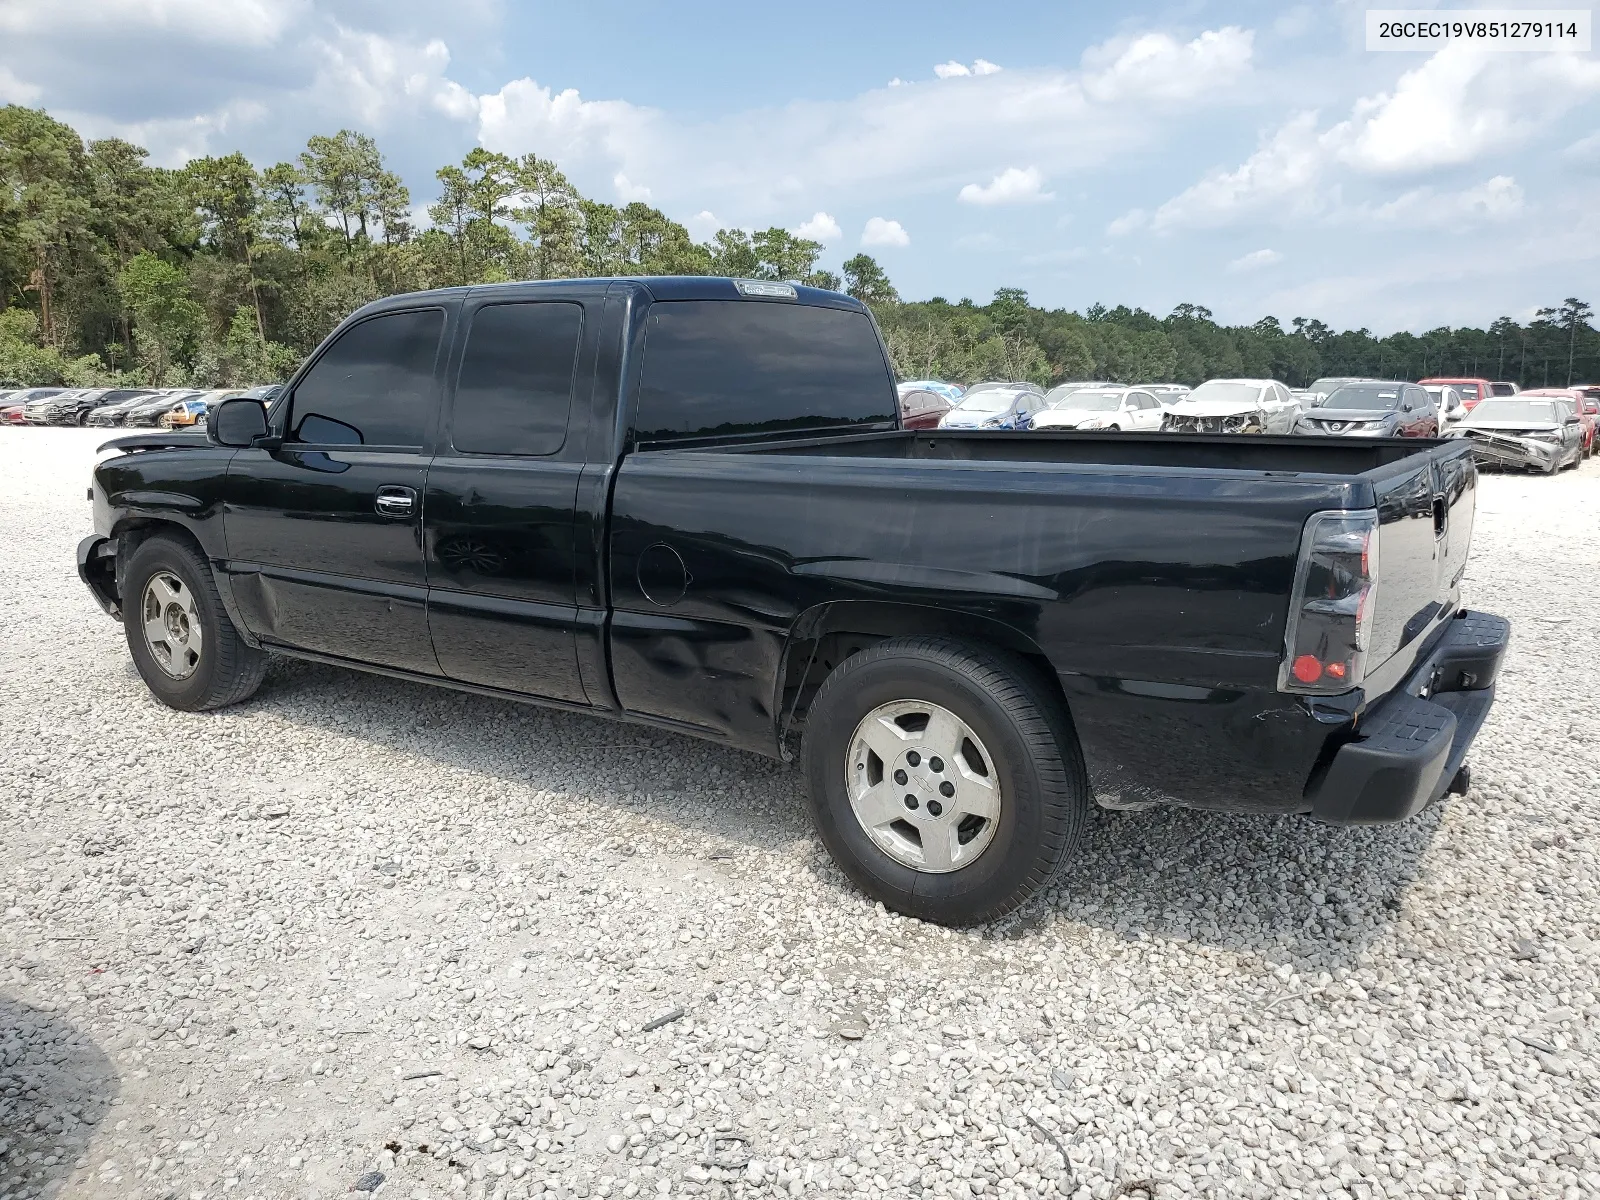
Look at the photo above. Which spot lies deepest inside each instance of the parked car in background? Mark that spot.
(1002, 406)
(1503, 388)
(922, 409)
(1115, 409)
(1541, 434)
(190, 413)
(114, 413)
(938, 387)
(1234, 406)
(1451, 408)
(11, 414)
(36, 404)
(1327, 385)
(1061, 391)
(150, 411)
(1583, 408)
(76, 409)
(1167, 393)
(1471, 390)
(1393, 409)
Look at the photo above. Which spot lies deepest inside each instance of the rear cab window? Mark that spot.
(745, 368)
(514, 391)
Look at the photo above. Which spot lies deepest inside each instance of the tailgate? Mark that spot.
(1426, 505)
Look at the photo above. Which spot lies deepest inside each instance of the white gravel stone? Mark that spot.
(355, 925)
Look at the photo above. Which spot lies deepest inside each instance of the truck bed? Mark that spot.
(1226, 452)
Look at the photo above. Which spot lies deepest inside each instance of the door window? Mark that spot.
(514, 394)
(372, 387)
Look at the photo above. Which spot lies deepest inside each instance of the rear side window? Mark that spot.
(514, 394)
(374, 386)
(715, 368)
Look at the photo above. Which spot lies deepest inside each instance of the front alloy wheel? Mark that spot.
(172, 630)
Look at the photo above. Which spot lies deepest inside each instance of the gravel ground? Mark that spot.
(359, 935)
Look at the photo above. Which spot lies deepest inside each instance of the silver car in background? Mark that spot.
(1234, 406)
(1532, 434)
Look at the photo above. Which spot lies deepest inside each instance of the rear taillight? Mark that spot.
(1331, 607)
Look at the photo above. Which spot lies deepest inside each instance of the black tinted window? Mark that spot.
(718, 367)
(374, 386)
(515, 389)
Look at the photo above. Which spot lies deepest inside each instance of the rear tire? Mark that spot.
(168, 596)
(1015, 747)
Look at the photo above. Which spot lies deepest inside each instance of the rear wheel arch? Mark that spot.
(828, 634)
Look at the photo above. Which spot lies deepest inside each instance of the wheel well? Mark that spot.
(826, 637)
(134, 531)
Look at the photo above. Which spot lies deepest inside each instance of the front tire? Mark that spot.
(944, 779)
(185, 648)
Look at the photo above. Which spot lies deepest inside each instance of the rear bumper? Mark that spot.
(1410, 744)
(97, 567)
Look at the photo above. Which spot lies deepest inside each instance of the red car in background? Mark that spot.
(921, 409)
(1470, 390)
(1588, 410)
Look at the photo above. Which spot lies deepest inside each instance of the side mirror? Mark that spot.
(1573, 420)
(237, 422)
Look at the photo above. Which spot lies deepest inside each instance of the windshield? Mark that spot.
(1327, 385)
(1536, 411)
(1087, 400)
(1231, 393)
(1372, 397)
(986, 402)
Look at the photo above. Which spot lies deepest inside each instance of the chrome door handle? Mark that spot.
(396, 501)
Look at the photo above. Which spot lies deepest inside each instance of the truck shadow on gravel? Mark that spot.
(1284, 888)
(55, 1088)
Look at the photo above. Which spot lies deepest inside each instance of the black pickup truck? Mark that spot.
(689, 503)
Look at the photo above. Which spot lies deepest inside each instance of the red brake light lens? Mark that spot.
(1332, 604)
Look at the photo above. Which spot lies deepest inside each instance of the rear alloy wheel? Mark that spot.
(944, 778)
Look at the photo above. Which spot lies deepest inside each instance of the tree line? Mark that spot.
(221, 273)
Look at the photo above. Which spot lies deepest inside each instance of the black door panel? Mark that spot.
(501, 564)
(337, 576)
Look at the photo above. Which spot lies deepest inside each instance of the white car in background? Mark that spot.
(1451, 407)
(1110, 408)
(1235, 406)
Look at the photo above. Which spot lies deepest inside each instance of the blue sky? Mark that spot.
(1254, 158)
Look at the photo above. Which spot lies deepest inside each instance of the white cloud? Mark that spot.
(628, 191)
(1130, 221)
(1460, 105)
(882, 144)
(703, 224)
(1496, 199)
(218, 22)
(1281, 175)
(1255, 260)
(820, 228)
(880, 232)
(16, 91)
(954, 69)
(1585, 151)
(1159, 66)
(1011, 186)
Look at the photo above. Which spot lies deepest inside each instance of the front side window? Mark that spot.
(715, 368)
(374, 386)
(514, 393)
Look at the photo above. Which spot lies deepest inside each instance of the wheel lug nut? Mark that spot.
(911, 802)
(936, 763)
(947, 789)
(900, 778)
(935, 808)
(913, 758)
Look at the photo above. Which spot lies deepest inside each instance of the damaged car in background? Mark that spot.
(1524, 434)
(1234, 406)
